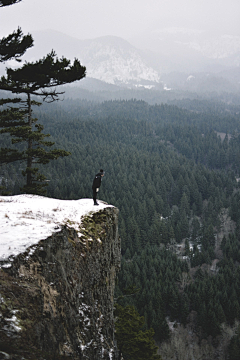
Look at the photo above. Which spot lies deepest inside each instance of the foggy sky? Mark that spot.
(86, 19)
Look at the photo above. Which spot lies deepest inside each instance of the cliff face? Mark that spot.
(56, 298)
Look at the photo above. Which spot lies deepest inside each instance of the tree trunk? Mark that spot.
(29, 158)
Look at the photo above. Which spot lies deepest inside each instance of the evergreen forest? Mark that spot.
(173, 171)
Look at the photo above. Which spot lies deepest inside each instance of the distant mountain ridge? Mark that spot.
(115, 61)
(110, 59)
(164, 59)
(202, 48)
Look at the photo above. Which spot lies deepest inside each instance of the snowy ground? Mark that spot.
(27, 219)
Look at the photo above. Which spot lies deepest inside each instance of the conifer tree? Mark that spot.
(234, 347)
(12, 47)
(133, 343)
(38, 78)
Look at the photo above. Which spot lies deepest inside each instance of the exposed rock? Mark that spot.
(56, 298)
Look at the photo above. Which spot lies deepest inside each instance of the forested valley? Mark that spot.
(173, 172)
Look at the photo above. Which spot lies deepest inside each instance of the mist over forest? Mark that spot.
(172, 169)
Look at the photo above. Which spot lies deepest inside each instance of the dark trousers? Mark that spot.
(94, 194)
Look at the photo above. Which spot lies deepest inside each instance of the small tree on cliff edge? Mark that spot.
(17, 119)
(36, 78)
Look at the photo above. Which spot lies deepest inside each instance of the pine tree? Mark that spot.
(34, 79)
(174, 304)
(12, 47)
(234, 347)
(17, 120)
(195, 228)
(184, 308)
(132, 341)
(184, 204)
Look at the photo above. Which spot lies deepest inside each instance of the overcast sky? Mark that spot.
(86, 19)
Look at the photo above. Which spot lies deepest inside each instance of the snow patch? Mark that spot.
(27, 219)
(149, 87)
(166, 88)
(190, 77)
(12, 323)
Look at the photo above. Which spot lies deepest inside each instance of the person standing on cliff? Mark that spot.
(96, 185)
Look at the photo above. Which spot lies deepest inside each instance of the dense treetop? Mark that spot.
(173, 175)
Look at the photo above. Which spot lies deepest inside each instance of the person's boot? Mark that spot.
(95, 203)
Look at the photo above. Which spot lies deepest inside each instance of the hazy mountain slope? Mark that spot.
(194, 50)
(201, 62)
(110, 59)
(115, 61)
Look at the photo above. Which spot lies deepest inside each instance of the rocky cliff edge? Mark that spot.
(58, 264)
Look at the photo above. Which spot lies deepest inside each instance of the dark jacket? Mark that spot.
(97, 181)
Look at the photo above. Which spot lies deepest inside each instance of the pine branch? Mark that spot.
(10, 155)
(8, 2)
(48, 72)
(15, 45)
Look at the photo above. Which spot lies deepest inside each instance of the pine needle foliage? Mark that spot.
(38, 78)
(8, 2)
(14, 45)
(133, 342)
(19, 123)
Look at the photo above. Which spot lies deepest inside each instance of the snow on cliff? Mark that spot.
(27, 219)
